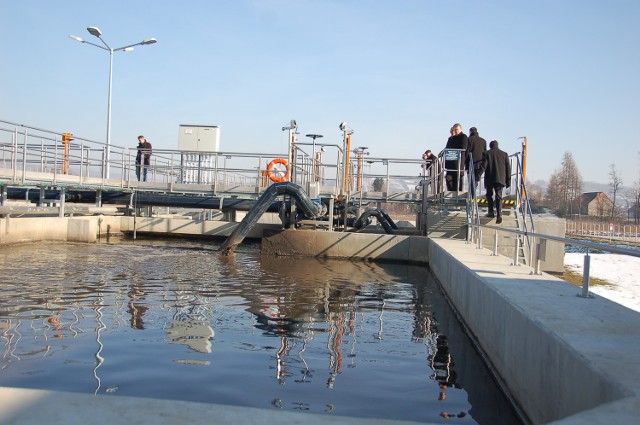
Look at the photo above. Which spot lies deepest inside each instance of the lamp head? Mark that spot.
(76, 38)
(95, 31)
(149, 41)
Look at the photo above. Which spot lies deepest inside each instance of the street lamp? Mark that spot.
(97, 33)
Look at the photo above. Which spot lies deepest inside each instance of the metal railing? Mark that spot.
(604, 230)
(539, 240)
(35, 156)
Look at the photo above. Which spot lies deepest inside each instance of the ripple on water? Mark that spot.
(172, 319)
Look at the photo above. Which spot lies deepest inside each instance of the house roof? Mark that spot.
(587, 197)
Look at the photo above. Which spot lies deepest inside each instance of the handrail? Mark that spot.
(567, 241)
(31, 155)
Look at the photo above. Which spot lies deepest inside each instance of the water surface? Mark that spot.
(173, 319)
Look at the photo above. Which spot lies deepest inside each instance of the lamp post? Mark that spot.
(97, 33)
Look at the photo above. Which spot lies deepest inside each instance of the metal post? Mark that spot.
(24, 156)
(331, 203)
(215, 175)
(55, 160)
(539, 247)
(515, 257)
(14, 156)
(81, 160)
(495, 243)
(107, 156)
(104, 163)
(62, 196)
(585, 276)
(42, 156)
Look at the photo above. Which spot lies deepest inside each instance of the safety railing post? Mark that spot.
(172, 179)
(42, 156)
(104, 163)
(215, 173)
(14, 154)
(539, 245)
(517, 248)
(24, 156)
(62, 199)
(55, 160)
(81, 161)
(585, 276)
(495, 243)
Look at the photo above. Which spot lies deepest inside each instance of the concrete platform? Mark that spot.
(29, 407)
(557, 354)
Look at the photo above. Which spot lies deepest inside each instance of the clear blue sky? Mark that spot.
(566, 74)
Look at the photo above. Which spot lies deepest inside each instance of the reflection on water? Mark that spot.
(173, 319)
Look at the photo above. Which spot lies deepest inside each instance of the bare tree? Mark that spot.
(615, 183)
(535, 193)
(635, 205)
(565, 187)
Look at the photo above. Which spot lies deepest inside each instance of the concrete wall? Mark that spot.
(73, 229)
(453, 224)
(188, 227)
(90, 228)
(552, 251)
(360, 246)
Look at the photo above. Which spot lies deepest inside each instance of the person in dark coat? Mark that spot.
(458, 140)
(143, 158)
(497, 175)
(476, 148)
(430, 162)
(431, 170)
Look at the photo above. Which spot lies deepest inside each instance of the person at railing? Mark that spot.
(458, 140)
(430, 160)
(431, 169)
(497, 175)
(143, 158)
(476, 148)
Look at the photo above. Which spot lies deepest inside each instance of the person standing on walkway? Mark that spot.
(476, 148)
(430, 162)
(458, 141)
(143, 158)
(497, 175)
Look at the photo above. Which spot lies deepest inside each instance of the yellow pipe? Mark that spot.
(347, 166)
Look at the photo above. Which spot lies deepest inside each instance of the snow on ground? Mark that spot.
(621, 271)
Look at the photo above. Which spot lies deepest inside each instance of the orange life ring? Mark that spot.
(276, 172)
